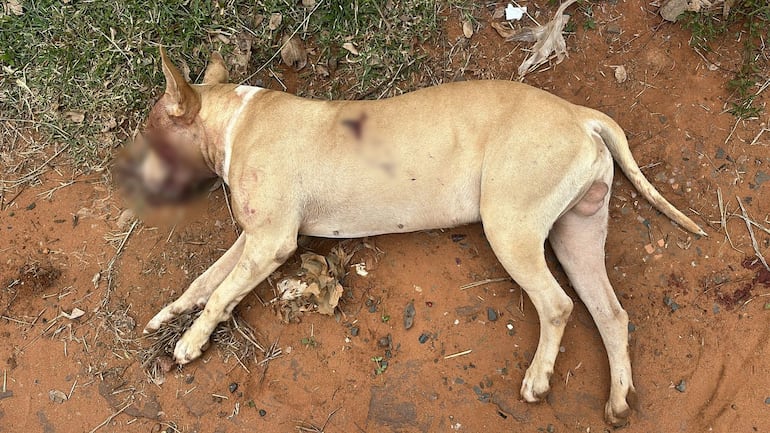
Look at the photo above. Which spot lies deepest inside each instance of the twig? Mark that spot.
(111, 264)
(455, 355)
(69, 396)
(35, 171)
(307, 427)
(729, 136)
(759, 134)
(723, 219)
(482, 282)
(751, 234)
(111, 417)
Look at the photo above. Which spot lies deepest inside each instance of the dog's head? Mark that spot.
(169, 161)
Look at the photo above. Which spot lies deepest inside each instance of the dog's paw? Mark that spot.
(616, 413)
(163, 316)
(535, 385)
(190, 346)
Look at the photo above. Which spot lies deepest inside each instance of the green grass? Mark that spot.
(100, 59)
(749, 22)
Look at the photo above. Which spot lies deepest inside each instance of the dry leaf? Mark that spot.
(76, 313)
(467, 29)
(350, 47)
(549, 41)
(75, 116)
(275, 21)
(308, 3)
(672, 9)
(13, 7)
(57, 396)
(293, 52)
(316, 287)
(524, 34)
(620, 74)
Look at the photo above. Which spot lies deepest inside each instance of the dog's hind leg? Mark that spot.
(201, 289)
(578, 239)
(263, 251)
(519, 245)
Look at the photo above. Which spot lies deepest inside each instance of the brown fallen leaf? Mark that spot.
(467, 29)
(74, 116)
(293, 52)
(316, 286)
(548, 38)
(275, 21)
(620, 74)
(350, 48)
(13, 7)
(57, 396)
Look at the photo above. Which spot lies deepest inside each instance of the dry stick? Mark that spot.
(759, 134)
(723, 219)
(111, 264)
(35, 171)
(751, 234)
(455, 355)
(482, 282)
(111, 417)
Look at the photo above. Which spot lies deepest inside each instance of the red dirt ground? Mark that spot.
(699, 306)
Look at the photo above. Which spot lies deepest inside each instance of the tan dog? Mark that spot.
(525, 163)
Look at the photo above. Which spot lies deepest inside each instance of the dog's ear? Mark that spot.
(185, 101)
(216, 71)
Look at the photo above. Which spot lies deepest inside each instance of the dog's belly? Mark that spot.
(396, 210)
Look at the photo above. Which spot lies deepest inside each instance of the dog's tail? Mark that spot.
(615, 140)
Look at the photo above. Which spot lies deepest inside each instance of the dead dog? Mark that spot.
(345, 169)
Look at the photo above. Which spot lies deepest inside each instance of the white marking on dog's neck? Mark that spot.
(245, 93)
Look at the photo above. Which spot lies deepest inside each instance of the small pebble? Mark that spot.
(384, 341)
(550, 428)
(491, 314)
(262, 412)
(767, 400)
(354, 331)
(372, 308)
(409, 314)
(670, 303)
(681, 386)
(631, 327)
(424, 337)
(233, 387)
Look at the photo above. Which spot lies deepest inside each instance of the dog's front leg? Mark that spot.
(201, 289)
(262, 253)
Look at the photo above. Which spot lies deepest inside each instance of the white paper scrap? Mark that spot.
(514, 13)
